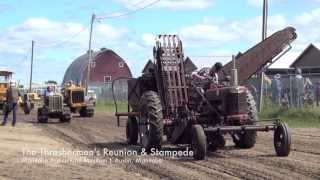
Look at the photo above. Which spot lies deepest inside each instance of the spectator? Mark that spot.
(276, 88)
(12, 97)
(298, 89)
(318, 92)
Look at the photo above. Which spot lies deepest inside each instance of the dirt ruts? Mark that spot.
(259, 162)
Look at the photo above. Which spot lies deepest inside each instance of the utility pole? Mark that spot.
(31, 67)
(89, 53)
(265, 19)
(264, 36)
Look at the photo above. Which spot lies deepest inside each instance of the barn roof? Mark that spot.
(149, 65)
(189, 66)
(310, 57)
(79, 65)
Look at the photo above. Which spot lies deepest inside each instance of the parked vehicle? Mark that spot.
(54, 107)
(74, 98)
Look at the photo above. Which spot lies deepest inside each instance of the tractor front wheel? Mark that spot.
(215, 141)
(247, 139)
(198, 142)
(151, 121)
(42, 115)
(27, 107)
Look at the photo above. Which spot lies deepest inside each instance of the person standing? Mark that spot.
(276, 87)
(298, 88)
(317, 94)
(12, 97)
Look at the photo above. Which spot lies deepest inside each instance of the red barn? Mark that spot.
(106, 67)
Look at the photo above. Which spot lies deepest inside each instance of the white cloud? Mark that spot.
(309, 18)
(171, 4)
(48, 33)
(211, 40)
(217, 34)
(56, 43)
(213, 37)
(148, 39)
(110, 32)
(207, 32)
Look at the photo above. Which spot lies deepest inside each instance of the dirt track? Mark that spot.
(229, 163)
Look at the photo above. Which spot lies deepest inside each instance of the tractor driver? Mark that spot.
(69, 83)
(214, 72)
(211, 74)
(49, 91)
(202, 74)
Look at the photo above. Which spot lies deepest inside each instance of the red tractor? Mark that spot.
(165, 102)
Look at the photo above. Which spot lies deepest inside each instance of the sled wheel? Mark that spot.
(282, 140)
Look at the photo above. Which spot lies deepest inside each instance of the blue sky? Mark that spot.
(211, 30)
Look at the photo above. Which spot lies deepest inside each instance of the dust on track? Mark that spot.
(259, 162)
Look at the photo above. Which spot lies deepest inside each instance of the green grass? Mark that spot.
(304, 118)
(109, 107)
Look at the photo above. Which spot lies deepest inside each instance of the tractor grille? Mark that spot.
(77, 97)
(55, 103)
(236, 103)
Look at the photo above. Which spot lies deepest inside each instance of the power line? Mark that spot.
(129, 12)
(210, 56)
(123, 9)
(64, 41)
(111, 15)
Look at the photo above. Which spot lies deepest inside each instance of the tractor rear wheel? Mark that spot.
(86, 112)
(151, 121)
(132, 130)
(282, 140)
(90, 112)
(247, 139)
(215, 141)
(198, 142)
(83, 112)
(66, 115)
(65, 118)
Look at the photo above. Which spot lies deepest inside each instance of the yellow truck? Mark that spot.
(74, 97)
(5, 78)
